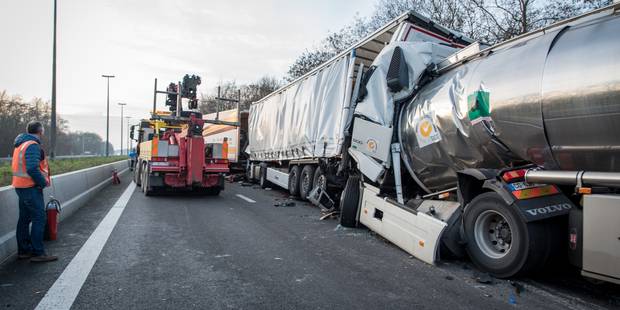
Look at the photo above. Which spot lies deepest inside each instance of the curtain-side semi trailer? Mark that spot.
(509, 153)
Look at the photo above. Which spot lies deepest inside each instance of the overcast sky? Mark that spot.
(138, 40)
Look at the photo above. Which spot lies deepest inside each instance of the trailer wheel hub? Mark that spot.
(321, 182)
(492, 233)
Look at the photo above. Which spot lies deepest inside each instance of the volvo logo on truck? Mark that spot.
(549, 209)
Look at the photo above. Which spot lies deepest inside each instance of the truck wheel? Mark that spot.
(145, 180)
(306, 183)
(137, 174)
(349, 202)
(499, 242)
(320, 180)
(262, 180)
(293, 180)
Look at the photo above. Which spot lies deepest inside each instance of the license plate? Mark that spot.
(516, 186)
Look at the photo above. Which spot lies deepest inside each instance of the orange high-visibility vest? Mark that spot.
(224, 149)
(21, 178)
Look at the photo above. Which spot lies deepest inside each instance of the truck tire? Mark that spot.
(262, 179)
(137, 174)
(499, 241)
(306, 184)
(145, 180)
(319, 179)
(294, 180)
(349, 202)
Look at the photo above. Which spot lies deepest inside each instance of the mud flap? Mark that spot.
(417, 233)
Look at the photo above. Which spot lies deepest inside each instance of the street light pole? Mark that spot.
(128, 138)
(122, 105)
(53, 120)
(107, 120)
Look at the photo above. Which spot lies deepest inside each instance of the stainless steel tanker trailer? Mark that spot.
(509, 154)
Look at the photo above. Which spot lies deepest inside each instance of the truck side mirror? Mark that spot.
(363, 91)
(131, 132)
(397, 75)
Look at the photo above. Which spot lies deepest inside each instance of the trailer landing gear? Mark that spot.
(262, 180)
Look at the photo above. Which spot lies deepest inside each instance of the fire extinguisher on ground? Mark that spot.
(53, 211)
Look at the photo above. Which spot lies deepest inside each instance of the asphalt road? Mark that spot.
(231, 251)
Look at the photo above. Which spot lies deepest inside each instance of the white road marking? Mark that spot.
(222, 256)
(246, 198)
(63, 292)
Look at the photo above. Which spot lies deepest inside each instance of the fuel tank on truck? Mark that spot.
(551, 98)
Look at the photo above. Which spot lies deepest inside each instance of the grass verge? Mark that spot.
(60, 166)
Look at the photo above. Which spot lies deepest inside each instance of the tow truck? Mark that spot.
(172, 154)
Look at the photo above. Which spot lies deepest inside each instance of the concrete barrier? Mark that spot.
(72, 189)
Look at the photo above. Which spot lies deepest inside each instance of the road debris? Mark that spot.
(235, 177)
(483, 278)
(519, 288)
(329, 214)
(512, 299)
(286, 203)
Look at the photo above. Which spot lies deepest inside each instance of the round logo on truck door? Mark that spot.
(371, 144)
(426, 133)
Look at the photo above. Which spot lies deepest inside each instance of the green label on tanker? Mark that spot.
(479, 106)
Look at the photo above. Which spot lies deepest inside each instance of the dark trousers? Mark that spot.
(31, 210)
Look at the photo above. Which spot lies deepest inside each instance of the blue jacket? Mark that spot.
(34, 155)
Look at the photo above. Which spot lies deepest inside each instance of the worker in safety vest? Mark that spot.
(225, 148)
(30, 177)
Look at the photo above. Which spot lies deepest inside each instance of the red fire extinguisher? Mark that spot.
(115, 179)
(53, 211)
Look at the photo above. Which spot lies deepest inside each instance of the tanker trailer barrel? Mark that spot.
(610, 179)
(552, 100)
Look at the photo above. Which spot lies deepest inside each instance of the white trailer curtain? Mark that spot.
(303, 120)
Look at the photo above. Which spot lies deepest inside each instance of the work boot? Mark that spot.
(43, 258)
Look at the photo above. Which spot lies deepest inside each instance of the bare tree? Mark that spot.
(562, 9)
(257, 90)
(15, 113)
(249, 93)
(489, 21)
(455, 14)
(504, 19)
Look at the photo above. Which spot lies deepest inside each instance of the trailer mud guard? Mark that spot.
(472, 182)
